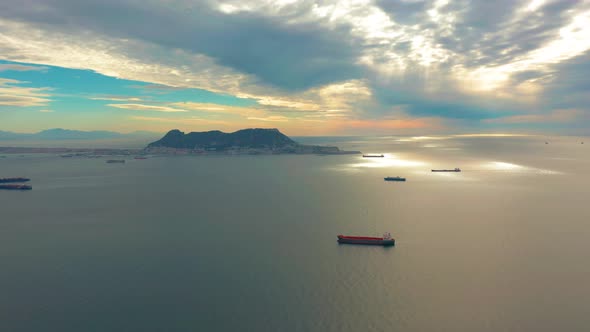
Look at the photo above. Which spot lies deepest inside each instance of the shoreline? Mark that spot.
(95, 152)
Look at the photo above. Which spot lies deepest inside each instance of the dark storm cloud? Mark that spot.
(289, 57)
(570, 86)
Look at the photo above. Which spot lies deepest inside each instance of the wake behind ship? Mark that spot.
(386, 240)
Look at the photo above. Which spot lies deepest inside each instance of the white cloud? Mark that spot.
(11, 94)
(114, 57)
(557, 116)
(273, 118)
(143, 107)
(219, 109)
(18, 67)
(178, 120)
(573, 40)
(116, 98)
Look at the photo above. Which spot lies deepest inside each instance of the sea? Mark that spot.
(248, 242)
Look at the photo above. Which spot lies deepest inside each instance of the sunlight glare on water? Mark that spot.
(514, 168)
(388, 160)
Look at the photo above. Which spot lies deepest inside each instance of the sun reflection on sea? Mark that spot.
(388, 160)
(514, 168)
(422, 138)
(503, 166)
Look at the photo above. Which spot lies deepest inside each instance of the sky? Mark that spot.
(348, 67)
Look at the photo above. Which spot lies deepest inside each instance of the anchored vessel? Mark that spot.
(386, 240)
(15, 187)
(115, 161)
(373, 156)
(456, 169)
(12, 180)
(394, 178)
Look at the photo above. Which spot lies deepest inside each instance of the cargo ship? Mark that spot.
(456, 169)
(15, 187)
(386, 240)
(140, 158)
(13, 180)
(373, 156)
(394, 178)
(115, 161)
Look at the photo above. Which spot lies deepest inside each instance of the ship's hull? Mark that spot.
(13, 180)
(395, 179)
(445, 170)
(370, 241)
(15, 187)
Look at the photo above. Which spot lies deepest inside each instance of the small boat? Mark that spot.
(456, 169)
(386, 240)
(12, 180)
(15, 187)
(373, 156)
(115, 161)
(394, 178)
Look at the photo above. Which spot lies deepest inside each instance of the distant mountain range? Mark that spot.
(66, 134)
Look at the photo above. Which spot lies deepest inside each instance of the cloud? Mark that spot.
(421, 123)
(158, 87)
(142, 107)
(284, 102)
(303, 57)
(491, 135)
(471, 62)
(273, 118)
(46, 111)
(179, 120)
(17, 67)
(557, 116)
(11, 94)
(115, 98)
(217, 109)
(20, 41)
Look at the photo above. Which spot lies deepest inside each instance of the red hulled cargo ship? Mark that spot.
(386, 240)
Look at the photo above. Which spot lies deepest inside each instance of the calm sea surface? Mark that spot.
(248, 243)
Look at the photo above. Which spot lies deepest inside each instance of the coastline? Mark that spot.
(94, 152)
